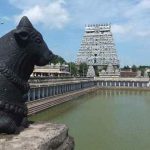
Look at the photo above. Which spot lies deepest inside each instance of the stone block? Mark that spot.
(40, 136)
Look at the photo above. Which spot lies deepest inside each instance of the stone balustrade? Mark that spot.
(123, 82)
(47, 90)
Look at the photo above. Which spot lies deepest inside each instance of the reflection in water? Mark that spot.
(105, 120)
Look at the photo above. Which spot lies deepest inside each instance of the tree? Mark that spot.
(96, 71)
(73, 69)
(126, 67)
(58, 59)
(83, 67)
(134, 68)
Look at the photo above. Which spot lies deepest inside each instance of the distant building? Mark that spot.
(128, 73)
(97, 47)
(51, 70)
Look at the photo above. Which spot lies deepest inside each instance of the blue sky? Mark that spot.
(62, 23)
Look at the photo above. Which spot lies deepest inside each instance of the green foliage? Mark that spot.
(126, 67)
(58, 59)
(96, 71)
(142, 69)
(134, 68)
(104, 68)
(83, 68)
(73, 69)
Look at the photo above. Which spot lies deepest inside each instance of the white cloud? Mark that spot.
(126, 16)
(26, 4)
(140, 8)
(143, 33)
(137, 20)
(51, 14)
(120, 29)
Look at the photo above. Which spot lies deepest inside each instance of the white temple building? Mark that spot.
(51, 70)
(97, 47)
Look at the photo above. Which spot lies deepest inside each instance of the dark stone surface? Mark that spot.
(20, 50)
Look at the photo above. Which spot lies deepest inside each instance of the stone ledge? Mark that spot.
(41, 136)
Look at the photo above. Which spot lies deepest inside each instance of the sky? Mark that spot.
(62, 23)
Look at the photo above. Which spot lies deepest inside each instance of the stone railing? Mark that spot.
(123, 82)
(39, 91)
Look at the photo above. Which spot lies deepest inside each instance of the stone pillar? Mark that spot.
(64, 88)
(110, 83)
(56, 89)
(124, 84)
(80, 85)
(49, 91)
(106, 83)
(143, 84)
(29, 95)
(38, 93)
(68, 87)
(132, 84)
(46, 91)
(43, 92)
(128, 84)
(53, 90)
(75, 86)
(60, 89)
(44, 88)
(33, 93)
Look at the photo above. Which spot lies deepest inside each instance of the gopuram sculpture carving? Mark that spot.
(20, 50)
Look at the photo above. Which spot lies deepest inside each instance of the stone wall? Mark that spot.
(41, 136)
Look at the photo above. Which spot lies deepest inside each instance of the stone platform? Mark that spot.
(41, 136)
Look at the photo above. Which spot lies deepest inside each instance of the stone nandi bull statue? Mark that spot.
(20, 50)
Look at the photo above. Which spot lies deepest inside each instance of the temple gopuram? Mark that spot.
(98, 50)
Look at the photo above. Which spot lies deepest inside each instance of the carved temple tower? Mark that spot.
(97, 47)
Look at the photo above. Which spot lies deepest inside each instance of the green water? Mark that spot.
(105, 120)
